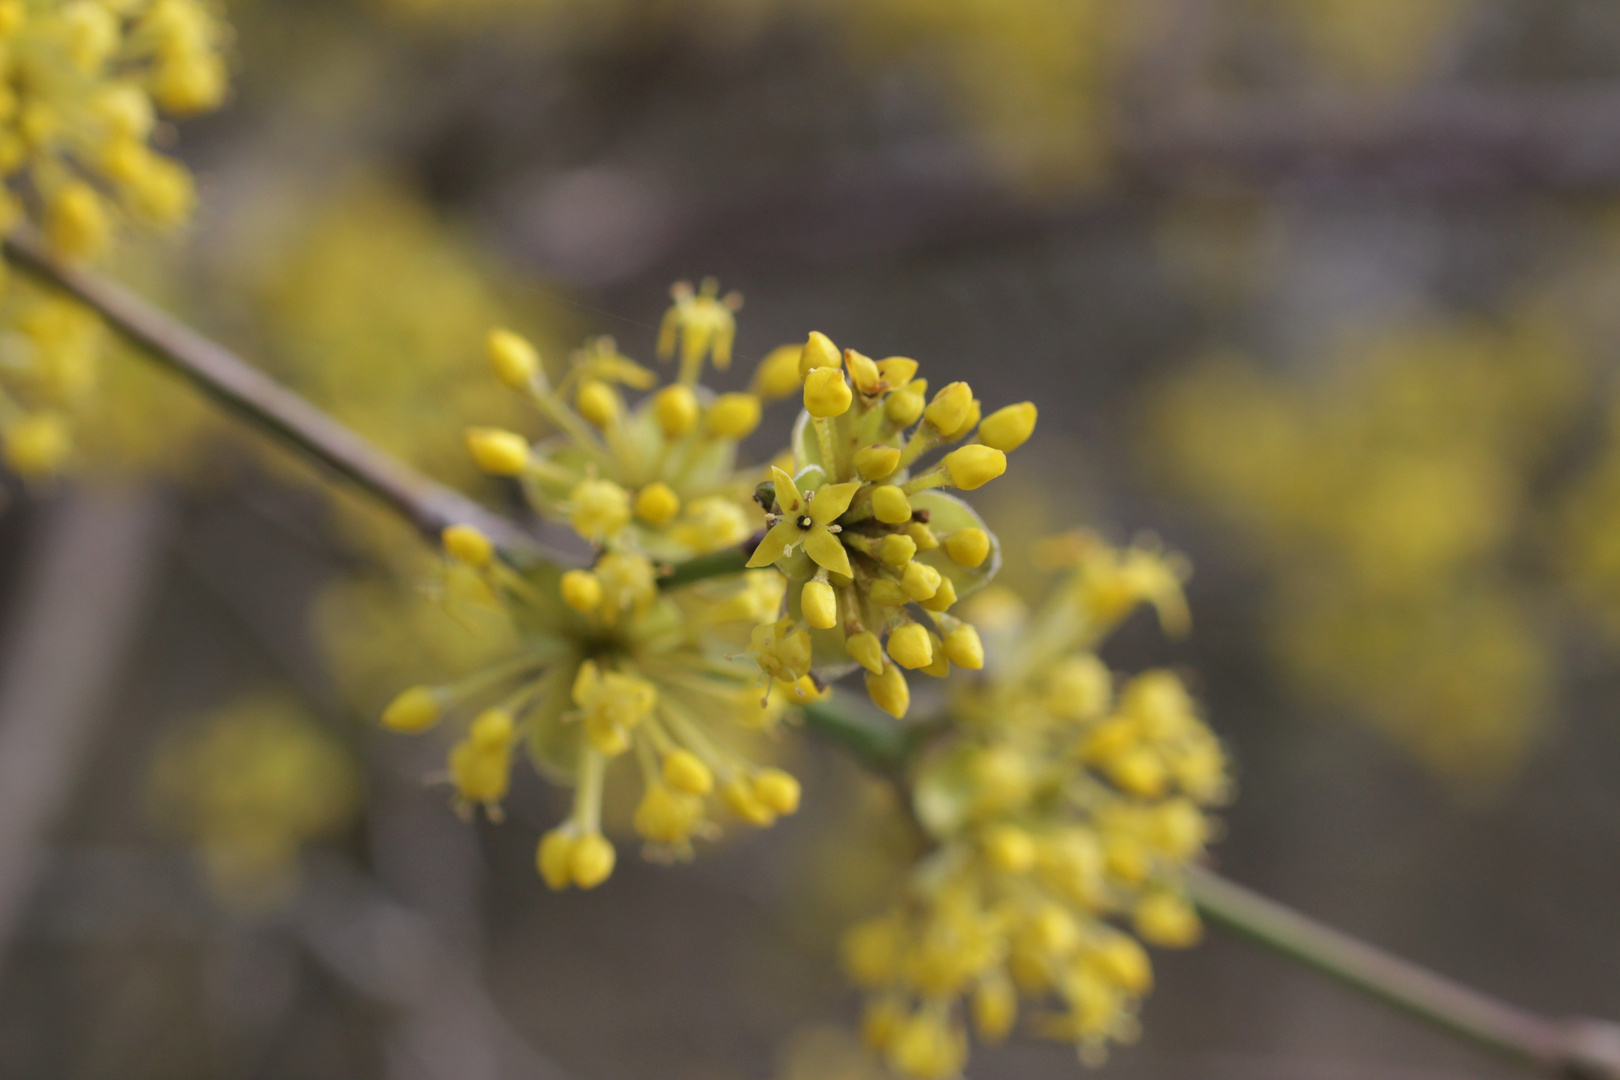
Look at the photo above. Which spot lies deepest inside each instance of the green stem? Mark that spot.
(718, 564)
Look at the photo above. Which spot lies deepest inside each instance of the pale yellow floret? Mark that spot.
(37, 445)
(1008, 428)
(741, 799)
(657, 504)
(76, 220)
(888, 691)
(778, 374)
(944, 596)
(964, 648)
(599, 403)
(668, 817)
(819, 604)
(734, 416)
(515, 362)
(950, 406)
(863, 372)
(886, 593)
(555, 858)
(818, 352)
(920, 581)
(684, 771)
(498, 452)
(905, 405)
(415, 709)
(598, 509)
(866, 650)
(1166, 918)
(876, 462)
(922, 536)
(469, 544)
(591, 861)
(581, 590)
(974, 466)
(890, 505)
(909, 646)
(1009, 849)
(968, 547)
(676, 410)
(995, 1009)
(826, 394)
(897, 550)
(778, 790)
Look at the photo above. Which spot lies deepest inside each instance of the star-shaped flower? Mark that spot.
(807, 519)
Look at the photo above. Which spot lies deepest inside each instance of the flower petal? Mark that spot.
(788, 500)
(827, 551)
(777, 543)
(831, 501)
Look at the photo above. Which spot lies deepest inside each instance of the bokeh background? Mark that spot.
(1322, 292)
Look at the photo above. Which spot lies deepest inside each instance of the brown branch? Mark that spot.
(250, 393)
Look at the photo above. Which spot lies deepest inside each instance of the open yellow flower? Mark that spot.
(808, 519)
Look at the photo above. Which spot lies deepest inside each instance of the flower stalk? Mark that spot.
(1578, 1049)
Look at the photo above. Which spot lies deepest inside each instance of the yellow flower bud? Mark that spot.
(667, 817)
(500, 453)
(888, 691)
(469, 544)
(906, 404)
(581, 590)
(863, 372)
(37, 444)
(922, 536)
(920, 581)
(777, 790)
(676, 410)
(950, 407)
(734, 416)
(657, 503)
(598, 508)
(76, 220)
(995, 1009)
(943, 597)
(1139, 771)
(867, 650)
(1127, 964)
(890, 505)
(886, 593)
(969, 422)
(968, 547)
(515, 361)
(818, 352)
(555, 859)
(909, 646)
(974, 466)
(1163, 918)
(592, 860)
(685, 771)
(826, 394)
(897, 370)
(492, 728)
(1009, 849)
(940, 665)
(778, 374)
(1009, 428)
(962, 645)
(741, 800)
(872, 952)
(819, 604)
(897, 549)
(876, 462)
(415, 709)
(599, 403)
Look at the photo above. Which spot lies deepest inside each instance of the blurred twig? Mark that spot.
(247, 391)
(94, 557)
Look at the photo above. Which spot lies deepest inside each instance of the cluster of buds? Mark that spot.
(1061, 810)
(875, 553)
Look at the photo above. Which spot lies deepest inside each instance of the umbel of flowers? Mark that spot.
(1063, 809)
(83, 84)
(855, 548)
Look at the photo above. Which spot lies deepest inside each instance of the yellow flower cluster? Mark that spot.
(1059, 804)
(81, 85)
(659, 479)
(608, 669)
(1384, 504)
(250, 786)
(84, 81)
(866, 543)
